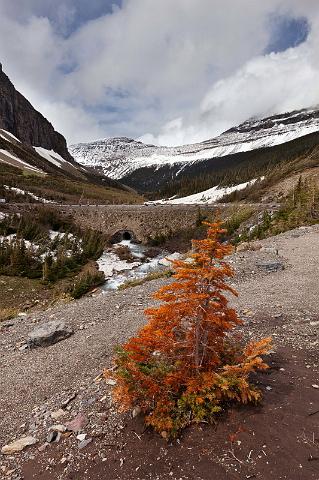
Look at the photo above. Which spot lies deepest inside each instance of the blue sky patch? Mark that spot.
(287, 32)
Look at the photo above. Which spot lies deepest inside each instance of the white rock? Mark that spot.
(110, 381)
(81, 437)
(136, 411)
(58, 428)
(167, 261)
(18, 445)
(57, 414)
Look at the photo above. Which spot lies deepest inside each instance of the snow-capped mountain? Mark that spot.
(127, 159)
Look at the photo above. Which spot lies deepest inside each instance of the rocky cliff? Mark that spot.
(18, 116)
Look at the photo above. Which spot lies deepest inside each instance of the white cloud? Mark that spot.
(182, 70)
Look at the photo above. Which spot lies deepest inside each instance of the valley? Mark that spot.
(89, 232)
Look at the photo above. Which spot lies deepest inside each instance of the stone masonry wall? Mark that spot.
(144, 221)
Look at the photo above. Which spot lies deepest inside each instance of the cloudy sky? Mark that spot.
(167, 71)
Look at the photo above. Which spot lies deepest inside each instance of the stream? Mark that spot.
(118, 271)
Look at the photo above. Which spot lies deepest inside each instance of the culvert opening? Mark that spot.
(127, 235)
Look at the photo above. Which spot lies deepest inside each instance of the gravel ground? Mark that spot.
(36, 382)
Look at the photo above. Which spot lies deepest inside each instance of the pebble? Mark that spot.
(136, 411)
(23, 347)
(68, 400)
(43, 447)
(110, 381)
(53, 436)
(84, 443)
(57, 414)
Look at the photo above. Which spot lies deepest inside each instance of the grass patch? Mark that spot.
(151, 276)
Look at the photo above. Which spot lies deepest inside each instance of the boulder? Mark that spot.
(245, 246)
(270, 266)
(49, 333)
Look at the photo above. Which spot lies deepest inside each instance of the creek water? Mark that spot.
(118, 271)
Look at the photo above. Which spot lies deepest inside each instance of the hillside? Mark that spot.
(35, 164)
(273, 440)
(233, 157)
(41, 175)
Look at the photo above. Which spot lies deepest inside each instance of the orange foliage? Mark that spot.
(184, 364)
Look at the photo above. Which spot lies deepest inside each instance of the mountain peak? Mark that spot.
(18, 117)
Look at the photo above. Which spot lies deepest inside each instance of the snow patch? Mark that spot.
(207, 196)
(30, 194)
(51, 156)
(5, 157)
(5, 134)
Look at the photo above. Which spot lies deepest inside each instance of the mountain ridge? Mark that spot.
(131, 160)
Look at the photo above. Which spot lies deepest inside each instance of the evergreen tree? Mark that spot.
(184, 365)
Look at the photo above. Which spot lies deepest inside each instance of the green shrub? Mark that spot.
(85, 281)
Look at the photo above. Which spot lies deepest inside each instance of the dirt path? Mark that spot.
(282, 303)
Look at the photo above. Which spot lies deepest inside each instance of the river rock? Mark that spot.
(18, 445)
(49, 333)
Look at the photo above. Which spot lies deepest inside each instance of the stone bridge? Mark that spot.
(138, 222)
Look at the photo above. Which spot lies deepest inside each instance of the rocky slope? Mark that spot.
(40, 175)
(64, 380)
(18, 116)
(148, 167)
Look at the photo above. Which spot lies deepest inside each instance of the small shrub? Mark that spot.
(124, 253)
(152, 252)
(185, 365)
(300, 207)
(86, 281)
(7, 313)
(238, 217)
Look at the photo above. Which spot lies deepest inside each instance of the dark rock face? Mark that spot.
(18, 116)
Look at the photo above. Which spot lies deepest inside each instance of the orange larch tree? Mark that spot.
(186, 363)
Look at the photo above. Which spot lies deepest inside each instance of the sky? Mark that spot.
(165, 72)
